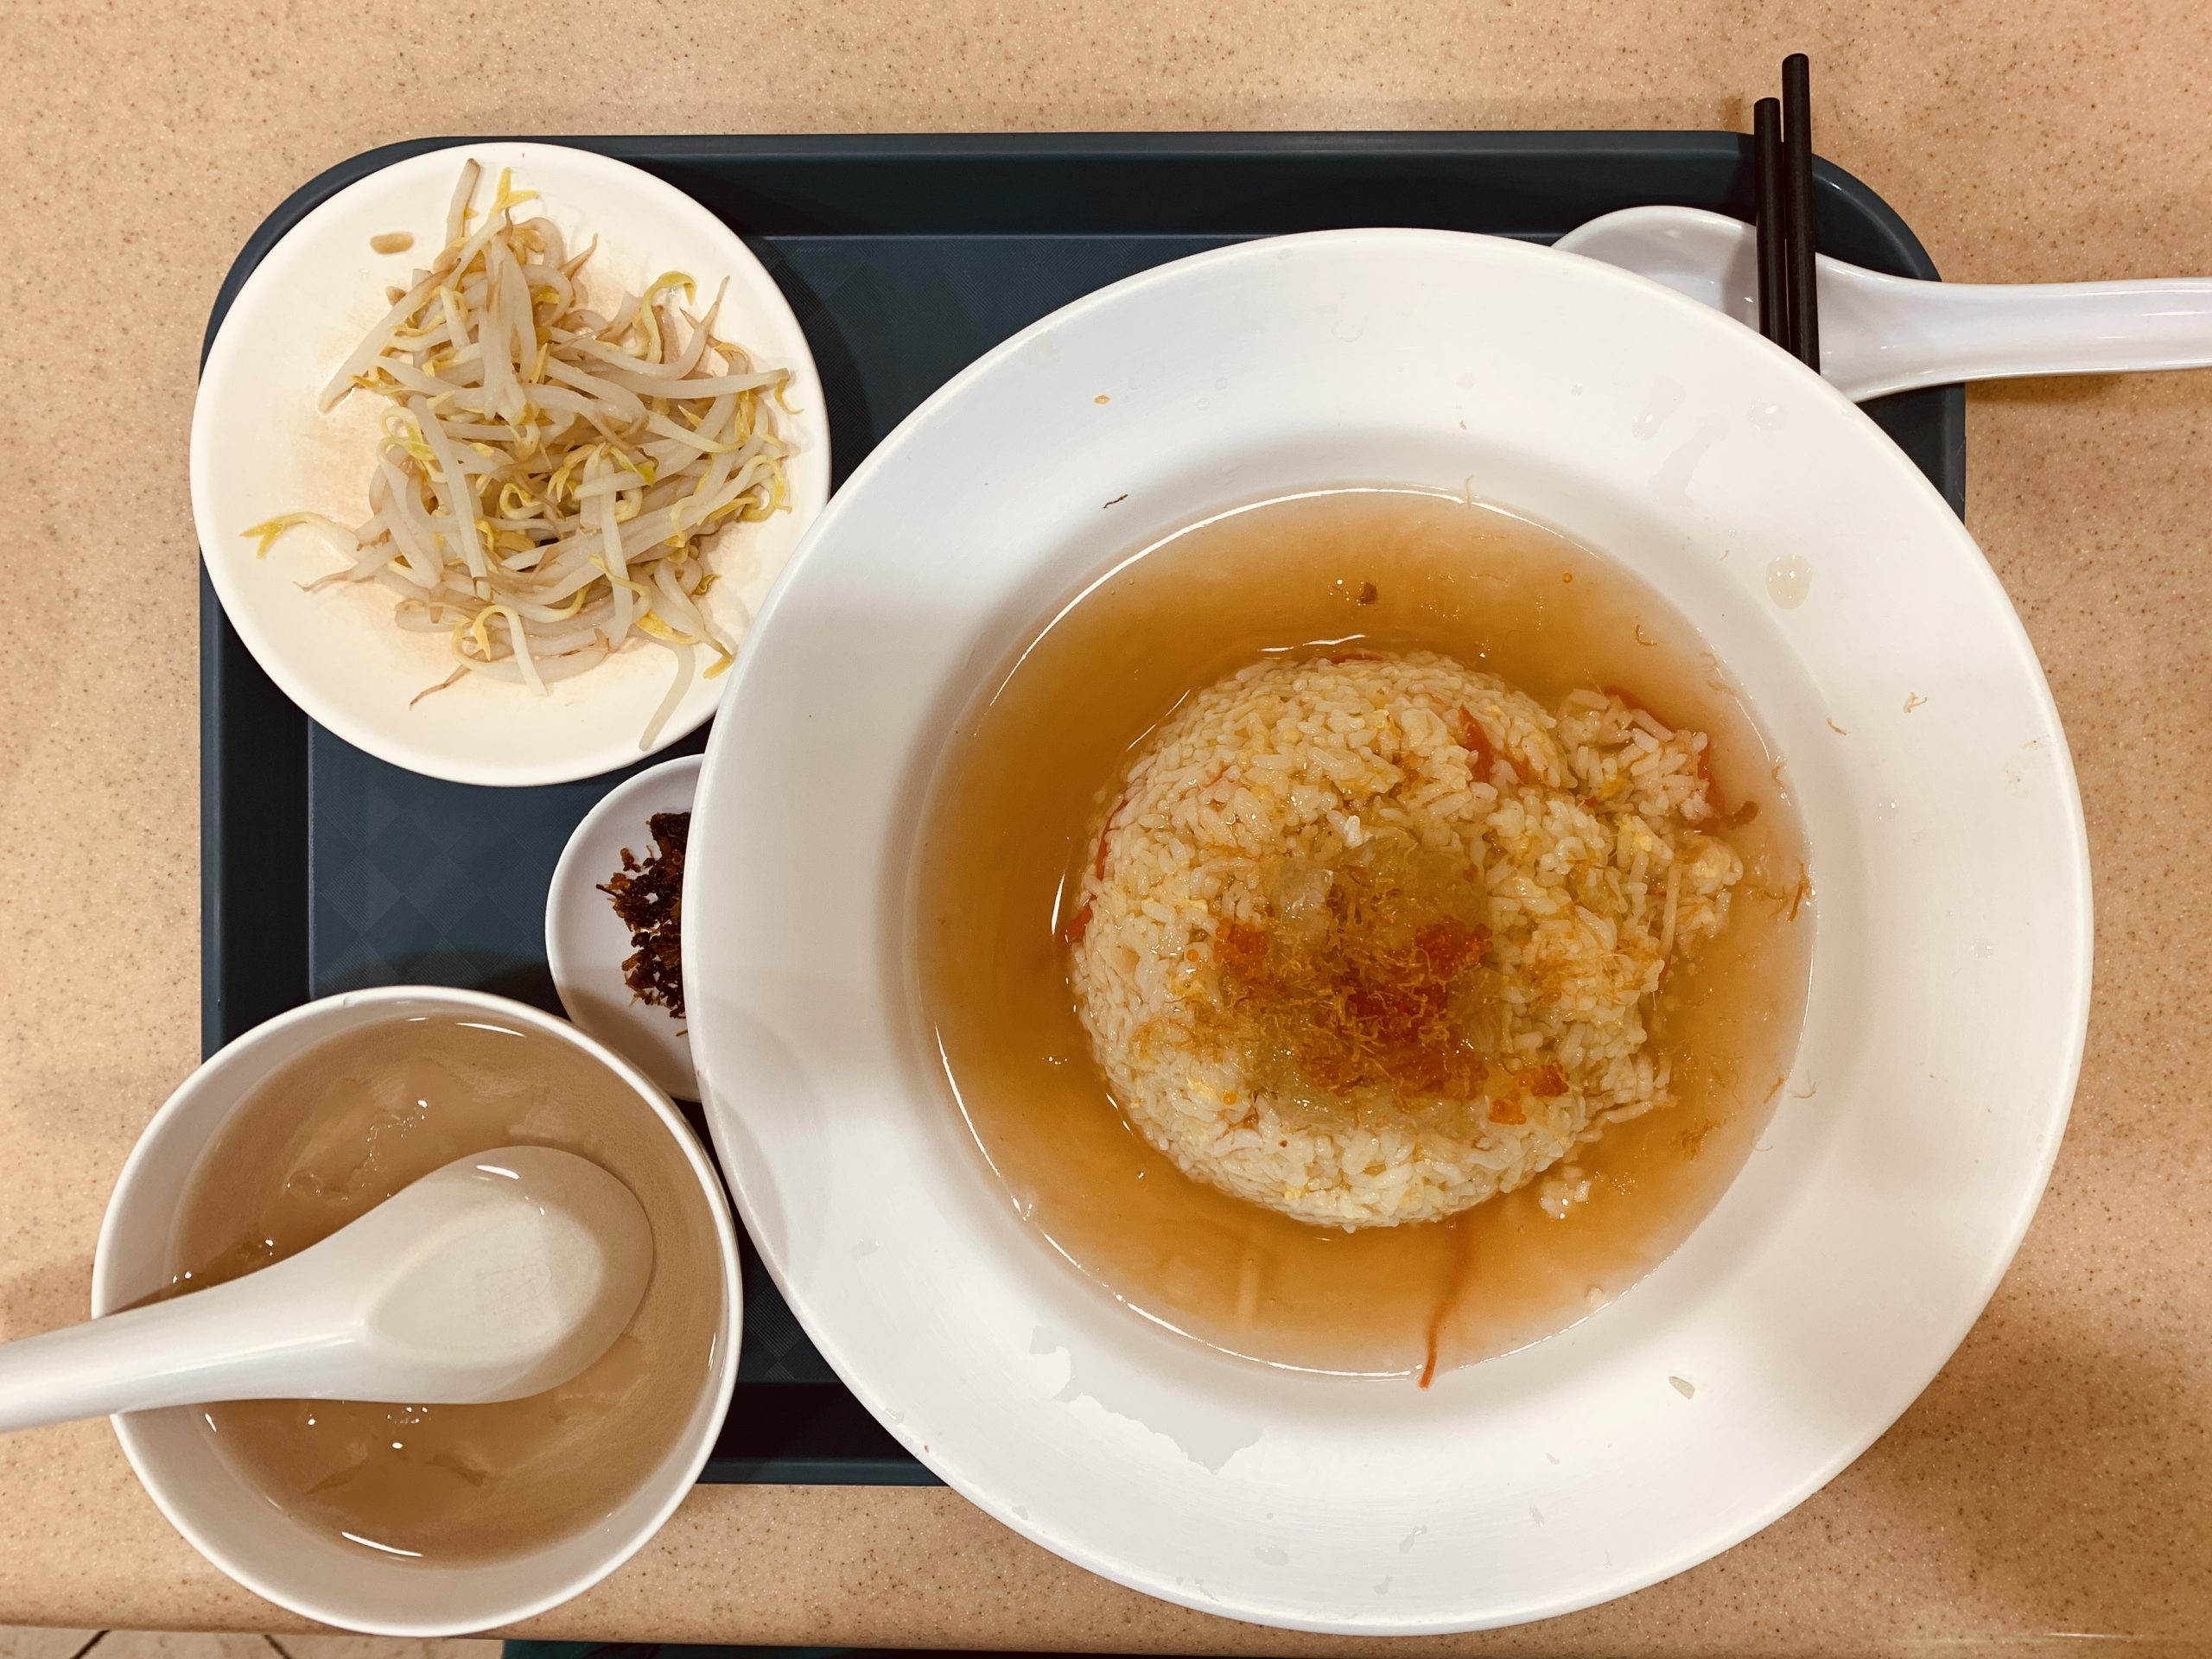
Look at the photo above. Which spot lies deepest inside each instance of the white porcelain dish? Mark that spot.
(235, 1526)
(260, 448)
(1931, 1085)
(585, 943)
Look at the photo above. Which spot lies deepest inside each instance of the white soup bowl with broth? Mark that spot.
(296, 1547)
(1925, 1090)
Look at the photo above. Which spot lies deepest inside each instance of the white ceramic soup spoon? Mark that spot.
(1880, 334)
(497, 1276)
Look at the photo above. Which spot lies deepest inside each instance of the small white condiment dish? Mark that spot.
(260, 448)
(230, 1521)
(585, 943)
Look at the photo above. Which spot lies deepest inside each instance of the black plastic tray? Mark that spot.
(904, 257)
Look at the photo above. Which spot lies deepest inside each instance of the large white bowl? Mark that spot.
(260, 448)
(1950, 988)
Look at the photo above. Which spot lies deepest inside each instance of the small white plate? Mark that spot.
(260, 448)
(586, 943)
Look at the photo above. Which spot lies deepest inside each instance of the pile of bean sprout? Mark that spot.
(547, 476)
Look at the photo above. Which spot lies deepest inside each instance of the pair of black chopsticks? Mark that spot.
(1782, 171)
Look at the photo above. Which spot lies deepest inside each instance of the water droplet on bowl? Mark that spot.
(1666, 398)
(1767, 417)
(1788, 580)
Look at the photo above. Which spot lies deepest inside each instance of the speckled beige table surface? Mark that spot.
(2055, 1482)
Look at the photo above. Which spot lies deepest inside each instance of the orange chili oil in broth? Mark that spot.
(1011, 828)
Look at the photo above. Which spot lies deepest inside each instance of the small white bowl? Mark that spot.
(231, 1523)
(586, 944)
(260, 448)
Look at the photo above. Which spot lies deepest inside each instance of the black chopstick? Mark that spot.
(1773, 232)
(1804, 303)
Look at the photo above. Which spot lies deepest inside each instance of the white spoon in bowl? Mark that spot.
(499, 1276)
(1880, 334)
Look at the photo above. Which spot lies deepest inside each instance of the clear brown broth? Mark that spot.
(341, 1129)
(1005, 835)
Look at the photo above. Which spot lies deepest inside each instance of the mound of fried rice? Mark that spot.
(1371, 939)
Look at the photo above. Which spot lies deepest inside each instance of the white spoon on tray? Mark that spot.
(497, 1276)
(1880, 334)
